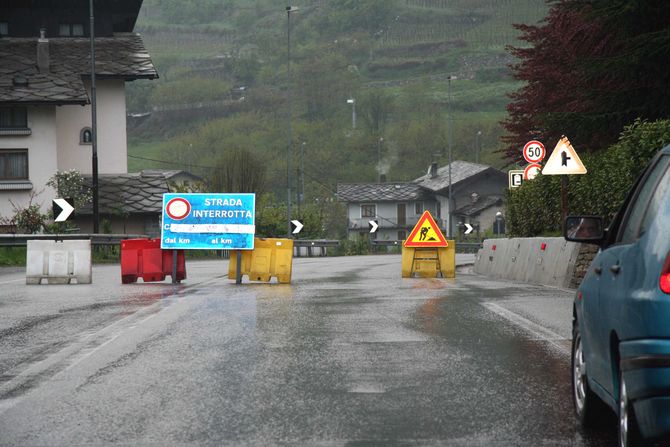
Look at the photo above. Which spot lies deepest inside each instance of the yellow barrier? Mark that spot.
(270, 257)
(428, 262)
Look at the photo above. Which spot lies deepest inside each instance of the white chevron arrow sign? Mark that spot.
(62, 209)
(297, 226)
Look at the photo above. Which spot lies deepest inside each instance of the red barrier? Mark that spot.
(144, 258)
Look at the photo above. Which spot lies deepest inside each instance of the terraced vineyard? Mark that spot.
(399, 48)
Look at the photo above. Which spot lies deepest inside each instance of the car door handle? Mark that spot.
(616, 268)
(598, 270)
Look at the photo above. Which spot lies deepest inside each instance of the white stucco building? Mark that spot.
(45, 90)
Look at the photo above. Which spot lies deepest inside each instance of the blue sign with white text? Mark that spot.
(208, 221)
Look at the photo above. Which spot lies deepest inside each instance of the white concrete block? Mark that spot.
(59, 262)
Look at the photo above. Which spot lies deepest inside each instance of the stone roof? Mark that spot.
(378, 192)
(122, 56)
(472, 209)
(460, 170)
(133, 193)
(169, 174)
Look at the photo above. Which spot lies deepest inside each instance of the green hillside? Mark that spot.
(223, 85)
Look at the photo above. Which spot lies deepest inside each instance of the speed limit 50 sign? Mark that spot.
(534, 151)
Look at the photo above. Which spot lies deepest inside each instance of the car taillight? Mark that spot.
(664, 281)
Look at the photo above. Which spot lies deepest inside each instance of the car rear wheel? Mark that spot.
(629, 436)
(588, 406)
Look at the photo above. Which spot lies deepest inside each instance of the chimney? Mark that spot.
(382, 178)
(43, 52)
(432, 171)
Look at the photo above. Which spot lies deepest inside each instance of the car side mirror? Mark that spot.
(586, 229)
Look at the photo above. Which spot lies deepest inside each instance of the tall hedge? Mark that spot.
(535, 208)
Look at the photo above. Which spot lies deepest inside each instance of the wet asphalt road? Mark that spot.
(348, 354)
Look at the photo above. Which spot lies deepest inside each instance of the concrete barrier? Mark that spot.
(59, 262)
(539, 260)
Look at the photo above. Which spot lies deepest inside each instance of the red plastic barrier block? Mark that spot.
(144, 258)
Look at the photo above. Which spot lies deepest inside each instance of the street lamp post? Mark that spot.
(289, 10)
(94, 126)
(478, 148)
(301, 178)
(379, 158)
(449, 139)
(498, 222)
(352, 101)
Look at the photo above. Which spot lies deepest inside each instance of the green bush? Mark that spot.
(535, 208)
(351, 247)
(12, 256)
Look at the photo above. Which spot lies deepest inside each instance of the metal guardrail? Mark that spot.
(468, 247)
(310, 244)
(386, 243)
(18, 240)
(461, 247)
(315, 243)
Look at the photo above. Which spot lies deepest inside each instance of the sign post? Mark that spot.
(204, 221)
(564, 161)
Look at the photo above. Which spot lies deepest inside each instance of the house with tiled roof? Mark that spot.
(477, 192)
(395, 207)
(45, 87)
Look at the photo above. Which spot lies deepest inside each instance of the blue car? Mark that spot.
(621, 314)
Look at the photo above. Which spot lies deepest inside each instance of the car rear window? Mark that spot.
(660, 200)
(647, 203)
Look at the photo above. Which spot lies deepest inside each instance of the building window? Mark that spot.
(14, 121)
(402, 235)
(70, 29)
(418, 208)
(13, 164)
(13, 118)
(86, 136)
(368, 210)
(4, 29)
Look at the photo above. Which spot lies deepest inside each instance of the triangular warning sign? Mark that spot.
(426, 233)
(564, 160)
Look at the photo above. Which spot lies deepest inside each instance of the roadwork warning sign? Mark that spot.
(426, 233)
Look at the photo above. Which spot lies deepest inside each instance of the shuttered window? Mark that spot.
(13, 164)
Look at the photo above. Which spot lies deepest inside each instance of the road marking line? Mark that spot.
(537, 330)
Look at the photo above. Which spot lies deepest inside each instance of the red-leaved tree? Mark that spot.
(592, 67)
